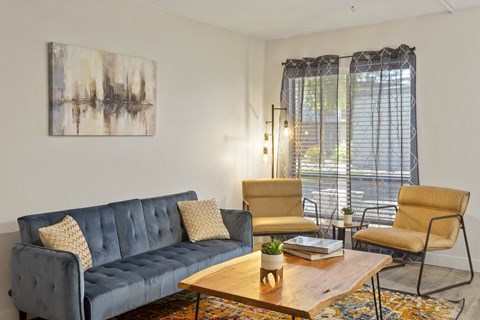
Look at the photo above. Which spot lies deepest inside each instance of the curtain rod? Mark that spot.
(345, 57)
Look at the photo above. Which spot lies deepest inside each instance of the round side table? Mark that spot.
(341, 226)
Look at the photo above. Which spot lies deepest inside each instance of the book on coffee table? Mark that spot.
(312, 256)
(318, 245)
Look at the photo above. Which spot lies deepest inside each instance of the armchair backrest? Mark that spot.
(273, 197)
(418, 204)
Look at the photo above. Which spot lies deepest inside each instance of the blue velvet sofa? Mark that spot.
(140, 252)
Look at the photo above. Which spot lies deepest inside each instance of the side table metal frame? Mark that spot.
(340, 234)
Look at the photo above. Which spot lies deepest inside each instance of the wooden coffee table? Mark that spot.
(307, 286)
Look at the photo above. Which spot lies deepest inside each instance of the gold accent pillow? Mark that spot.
(203, 220)
(67, 236)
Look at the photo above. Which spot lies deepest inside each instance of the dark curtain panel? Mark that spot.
(311, 153)
(382, 136)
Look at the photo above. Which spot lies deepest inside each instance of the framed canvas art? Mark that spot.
(98, 93)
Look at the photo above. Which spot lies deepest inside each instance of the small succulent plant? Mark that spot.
(347, 210)
(273, 248)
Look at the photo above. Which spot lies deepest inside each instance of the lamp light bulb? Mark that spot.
(286, 129)
(265, 154)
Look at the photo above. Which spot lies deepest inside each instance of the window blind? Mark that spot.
(354, 135)
(382, 135)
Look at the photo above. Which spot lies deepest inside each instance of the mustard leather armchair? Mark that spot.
(427, 219)
(277, 207)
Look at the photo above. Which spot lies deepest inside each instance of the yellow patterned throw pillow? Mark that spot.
(67, 236)
(203, 220)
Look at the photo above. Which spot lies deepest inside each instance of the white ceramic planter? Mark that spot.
(347, 219)
(272, 262)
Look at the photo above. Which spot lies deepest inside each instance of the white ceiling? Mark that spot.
(275, 19)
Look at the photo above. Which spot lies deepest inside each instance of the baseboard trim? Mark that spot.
(443, 260)
(10, 314)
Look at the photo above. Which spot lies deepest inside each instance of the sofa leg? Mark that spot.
(22, 315)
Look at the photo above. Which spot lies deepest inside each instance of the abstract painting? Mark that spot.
(99, 93)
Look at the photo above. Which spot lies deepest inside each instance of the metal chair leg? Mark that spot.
(424, 254)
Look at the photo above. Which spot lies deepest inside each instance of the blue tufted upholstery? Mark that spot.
(151, 275)
(99, 228)
(40, 270)
(131, 227)
(163, 219)
(97, 224)
(140, 252)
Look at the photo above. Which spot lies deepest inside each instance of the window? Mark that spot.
(354, 137)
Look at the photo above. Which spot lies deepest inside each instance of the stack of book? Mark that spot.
(313, 248)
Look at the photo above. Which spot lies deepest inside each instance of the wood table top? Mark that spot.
(307, 286)
(342, 225)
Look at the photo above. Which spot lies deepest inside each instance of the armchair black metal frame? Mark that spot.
(423, 253)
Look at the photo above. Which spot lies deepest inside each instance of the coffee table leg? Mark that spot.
(197, 306)
(374, 298)
(378, 310)
(379, 297)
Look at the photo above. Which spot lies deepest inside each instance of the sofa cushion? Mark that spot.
(163, 221)
(160, 271)
(67, 236)
(112, 289)
(97, 225)
(203, 220)
(131, 229)
(100, 231)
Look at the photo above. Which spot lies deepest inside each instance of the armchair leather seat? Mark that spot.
(278, 225)
(402, 239)
(427, 219)
(276, 207)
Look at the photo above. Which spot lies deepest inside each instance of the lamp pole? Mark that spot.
(273, 137)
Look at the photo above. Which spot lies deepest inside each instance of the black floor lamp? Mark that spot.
(271, 134)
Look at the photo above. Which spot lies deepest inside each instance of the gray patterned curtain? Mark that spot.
(382, 136)
(310, 94)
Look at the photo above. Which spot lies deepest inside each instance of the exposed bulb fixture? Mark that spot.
(265, 154)
(352, 8)
(286, 129)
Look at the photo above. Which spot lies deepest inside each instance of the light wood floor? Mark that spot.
(405, 279)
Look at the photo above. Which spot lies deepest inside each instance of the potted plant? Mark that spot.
(272, 256)
(347, 215)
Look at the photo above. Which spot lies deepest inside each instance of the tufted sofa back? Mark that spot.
(119, 229)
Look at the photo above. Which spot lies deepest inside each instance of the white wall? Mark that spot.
(448, 88)
(209, 109)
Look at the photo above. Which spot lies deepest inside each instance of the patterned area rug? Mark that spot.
(395, 305)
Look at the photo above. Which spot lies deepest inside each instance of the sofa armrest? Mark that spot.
(239, 225)
(47, 283)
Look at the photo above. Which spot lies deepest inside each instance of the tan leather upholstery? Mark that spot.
(280, 225)
(276, 206)
(417, 205)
